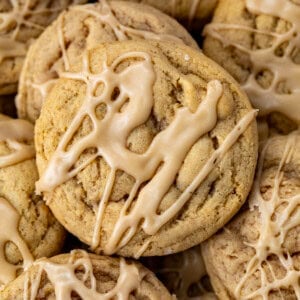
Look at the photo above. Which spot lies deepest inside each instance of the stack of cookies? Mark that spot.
(140, 166)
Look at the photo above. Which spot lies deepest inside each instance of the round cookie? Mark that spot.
(142, 148)
(88, 276)
(258, 44)
(81, 28)
(256, 256)
(28, 228)
(191, 13)
(183, 274)
(21, 21)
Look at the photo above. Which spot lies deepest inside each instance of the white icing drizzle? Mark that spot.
(15, 133)
(190, 271)
(158, 166)
(9, 222)
(64, 280)
(272, 232)
(105, 15)
(268, 100)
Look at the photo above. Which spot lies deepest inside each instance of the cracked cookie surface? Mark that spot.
(81, 28)
(257, 43)
(32, 229)
(22, 21)
(79, 274)
(256, 255)
(145, 171)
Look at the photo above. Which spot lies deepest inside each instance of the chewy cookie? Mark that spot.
(142, 148)
(258, 43)
(183, 273)
(256, 256)
(191, 13)
(28, 228)
(83, 27)
(21, 21)
(87, 276)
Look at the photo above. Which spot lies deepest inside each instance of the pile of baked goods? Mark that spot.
(141, 158)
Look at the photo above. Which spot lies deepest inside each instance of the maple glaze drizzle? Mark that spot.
(16, 18)
(106, 16)
(269, 99)
(16, 134)
(272, 231)
(64, 280)
(9, 223)
(109, 136)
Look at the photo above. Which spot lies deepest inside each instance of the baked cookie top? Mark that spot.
(142, 148)
(256, 256)
(191, 13)
(88, 276)
(21, 21)
(258, 43)
(184, 274)
(28, 229)
(83, 27)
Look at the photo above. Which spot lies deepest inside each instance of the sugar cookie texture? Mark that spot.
(184, 274)
(142, 152)
(257, 41)
(256, 256)
(81, 28)
(88, 276)
(191, 13)
(28, 229)
(21, 21)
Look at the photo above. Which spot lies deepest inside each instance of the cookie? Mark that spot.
(183, 274)
(191, 13)
(84, 27)
(88, 276)
(258, 44)
(22, 22)
(142, 148)
(256, 256)
(28, 228)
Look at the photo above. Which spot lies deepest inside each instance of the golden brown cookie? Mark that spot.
(83, 27)
(28, 229)
(142, 148)
(258, 43)
(256, 256)
(191, 13)
(88, 276)
(183, 274)
(21, 21)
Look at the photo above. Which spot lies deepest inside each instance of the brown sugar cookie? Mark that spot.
(256, 256)
(28, 229)
(258, 43)
(21, 21)
(88, 276)
(191, 13)
(81, 28)
(183, 274)
(142, 148)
